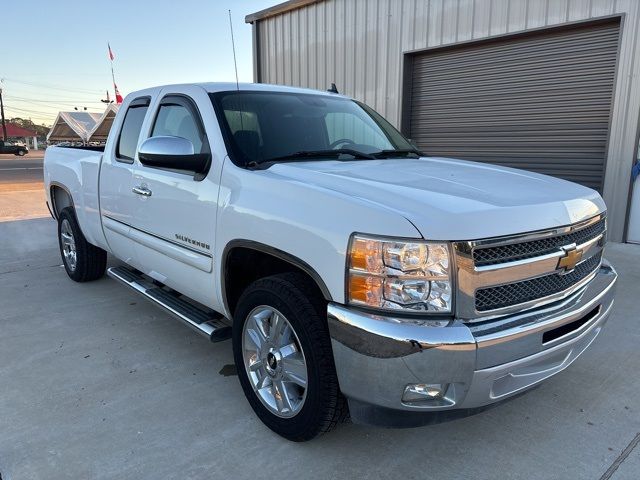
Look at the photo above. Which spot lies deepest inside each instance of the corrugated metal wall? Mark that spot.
(540, 102)
(359, 45)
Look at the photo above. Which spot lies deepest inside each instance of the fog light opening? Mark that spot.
(424, 392)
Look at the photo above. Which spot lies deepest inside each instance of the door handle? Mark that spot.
(144, 191)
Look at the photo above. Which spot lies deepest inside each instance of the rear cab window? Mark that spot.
(130, 131)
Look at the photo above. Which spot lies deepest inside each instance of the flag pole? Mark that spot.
(113, 76)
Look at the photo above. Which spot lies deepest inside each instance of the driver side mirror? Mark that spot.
(172, 152)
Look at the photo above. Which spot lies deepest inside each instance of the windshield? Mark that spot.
(263, 127)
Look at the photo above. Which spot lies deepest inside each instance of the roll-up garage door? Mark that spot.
(540, 101)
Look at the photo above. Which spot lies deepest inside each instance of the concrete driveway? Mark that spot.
(98, 384)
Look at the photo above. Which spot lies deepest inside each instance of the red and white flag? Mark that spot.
(118, 96)
(111, 55)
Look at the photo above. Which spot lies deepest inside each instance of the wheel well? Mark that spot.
(245, 265)
(61, 199)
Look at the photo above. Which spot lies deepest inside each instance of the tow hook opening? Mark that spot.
(569, 328)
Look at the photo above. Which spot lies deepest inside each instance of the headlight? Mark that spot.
(399, 275)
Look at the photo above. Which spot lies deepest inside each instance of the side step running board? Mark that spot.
(204, 321)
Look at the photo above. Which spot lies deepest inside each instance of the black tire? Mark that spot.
(91, 261)
(22, 153)
(324, 406)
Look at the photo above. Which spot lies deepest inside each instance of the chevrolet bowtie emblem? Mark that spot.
(570, 259)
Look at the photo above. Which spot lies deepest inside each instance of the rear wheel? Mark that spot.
(22, 153)
(82, 261)
(283, 354)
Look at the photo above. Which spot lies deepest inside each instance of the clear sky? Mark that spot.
(54, 52)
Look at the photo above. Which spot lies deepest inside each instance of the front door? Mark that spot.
(174, 224)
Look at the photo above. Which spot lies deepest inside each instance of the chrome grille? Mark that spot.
(515, 293)
(503, 275)
(520, 251)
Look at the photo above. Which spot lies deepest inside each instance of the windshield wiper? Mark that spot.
(336, 153)
(305, 154)
(402, 152)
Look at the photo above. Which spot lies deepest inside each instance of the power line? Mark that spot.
(21, 112)
(28, 93)
(45, 108)
(26, 110)
(37, 116)
(25, 113)
(34, 117)
(66, 74)
(52, 103)
(57, 99)
(78, 106)
(52, 87)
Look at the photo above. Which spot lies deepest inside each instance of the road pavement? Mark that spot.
(20, 170)
(21, 187)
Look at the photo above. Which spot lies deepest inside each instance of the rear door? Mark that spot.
(174, 222)
(117, 201)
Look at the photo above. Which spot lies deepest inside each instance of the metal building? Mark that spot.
(551, 86)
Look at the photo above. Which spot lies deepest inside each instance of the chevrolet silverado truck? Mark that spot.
(353, 274)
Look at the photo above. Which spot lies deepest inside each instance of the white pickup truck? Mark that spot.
(353, 273)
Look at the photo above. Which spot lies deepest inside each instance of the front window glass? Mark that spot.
(176, 120)
(271, 126)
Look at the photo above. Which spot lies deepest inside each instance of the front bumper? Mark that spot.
(376, 356)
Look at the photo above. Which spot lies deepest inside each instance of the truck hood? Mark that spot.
(449, 199)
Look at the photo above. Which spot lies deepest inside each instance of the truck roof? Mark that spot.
(228, 86)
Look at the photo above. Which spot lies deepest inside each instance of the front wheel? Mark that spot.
(283, 354)
(22, 153)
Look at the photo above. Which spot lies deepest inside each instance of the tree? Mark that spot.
(42, 130)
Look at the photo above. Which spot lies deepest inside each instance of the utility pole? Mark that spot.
(4, 126)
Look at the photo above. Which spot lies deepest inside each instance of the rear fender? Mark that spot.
(71, 179)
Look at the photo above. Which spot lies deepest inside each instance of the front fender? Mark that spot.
(307, 222)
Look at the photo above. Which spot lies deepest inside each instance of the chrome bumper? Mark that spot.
(376, 357)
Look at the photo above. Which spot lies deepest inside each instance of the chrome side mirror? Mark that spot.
(172, 152)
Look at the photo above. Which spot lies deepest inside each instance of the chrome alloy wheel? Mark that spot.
(274, 361)
(68, 245)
